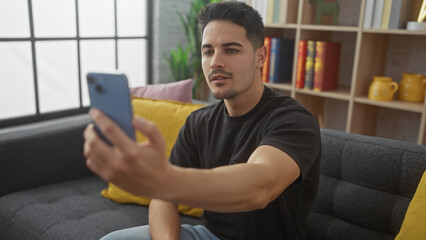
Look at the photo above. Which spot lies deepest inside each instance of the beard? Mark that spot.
(222, 94)
(227, 94)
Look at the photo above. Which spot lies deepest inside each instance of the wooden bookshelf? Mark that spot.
(365, 53)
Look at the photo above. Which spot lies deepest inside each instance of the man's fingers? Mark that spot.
(91, 145)
(111, 130)
(151, 131)
(93, 141)
(95, 148)
(94, 166)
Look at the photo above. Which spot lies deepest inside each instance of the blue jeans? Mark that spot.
(187, 232)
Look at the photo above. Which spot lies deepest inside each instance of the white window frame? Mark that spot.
(38, 116)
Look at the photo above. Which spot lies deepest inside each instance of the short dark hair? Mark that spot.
(238, 13)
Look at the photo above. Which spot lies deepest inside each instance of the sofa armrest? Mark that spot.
(42, 153)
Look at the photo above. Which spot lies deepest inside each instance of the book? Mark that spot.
(309, 65)
(261, 7)
(400, 13)
(283, 11)
(276, 17)
(378, 13)
(368, 13)
(301, 60)
(280, 11)
(386, 14)
(281, 62)
(326, 67)
(273, 59)
(269, 11)
(265, 69)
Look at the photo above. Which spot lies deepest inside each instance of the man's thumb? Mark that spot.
(150, 130)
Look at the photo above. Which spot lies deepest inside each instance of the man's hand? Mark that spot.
(132, 166)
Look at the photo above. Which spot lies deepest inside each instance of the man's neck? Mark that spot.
(244, 102)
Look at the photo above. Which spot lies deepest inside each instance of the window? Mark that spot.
(48, 46)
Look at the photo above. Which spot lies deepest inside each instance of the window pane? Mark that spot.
(132, 60)
(57, 75)
(16, 85)
(96, 55)
(54, 18)
(96, 18)
(131, 17)
(14, 18)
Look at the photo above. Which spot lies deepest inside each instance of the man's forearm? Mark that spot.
(164, 222)
(239, 187)
(230, 188)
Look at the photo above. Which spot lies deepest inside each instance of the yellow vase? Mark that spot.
(412, 87)
(382, 89)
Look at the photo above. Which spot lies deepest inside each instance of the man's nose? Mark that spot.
(217, 61)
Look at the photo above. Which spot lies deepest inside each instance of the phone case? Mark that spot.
(109, 92)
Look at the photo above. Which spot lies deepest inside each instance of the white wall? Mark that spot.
(167, 34)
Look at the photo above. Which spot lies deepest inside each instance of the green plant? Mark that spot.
(185, 62)
(178, 64)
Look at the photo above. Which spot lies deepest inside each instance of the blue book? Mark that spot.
(378, 14)
(276, 18)
(309, 65)
(368, 13)
(400, 13)
(281, 62)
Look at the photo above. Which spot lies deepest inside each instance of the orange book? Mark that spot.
(326, 68)
(265, 69)
(301, 60)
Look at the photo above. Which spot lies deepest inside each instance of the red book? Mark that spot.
(265, 69)
(301, 60)
(326, 68)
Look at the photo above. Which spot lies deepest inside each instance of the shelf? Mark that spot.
(386, 122)
(394, 31)
(342, 93)
(280, 86)
(395, 104)
(329, 28)
(364, 53)
(330, 113)
(278, 25)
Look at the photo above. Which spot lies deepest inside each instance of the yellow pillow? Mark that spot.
(169, 117)
(413, 227)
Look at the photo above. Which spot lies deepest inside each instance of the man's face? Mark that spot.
(228, 59)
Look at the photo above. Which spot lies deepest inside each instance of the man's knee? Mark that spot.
(135, 233)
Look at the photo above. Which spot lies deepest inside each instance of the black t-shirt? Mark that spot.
(211, 138)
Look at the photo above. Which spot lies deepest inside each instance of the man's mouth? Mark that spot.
(219, 75)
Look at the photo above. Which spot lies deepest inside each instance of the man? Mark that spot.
(251, 160)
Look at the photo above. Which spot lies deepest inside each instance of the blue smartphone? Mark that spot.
(110, 93)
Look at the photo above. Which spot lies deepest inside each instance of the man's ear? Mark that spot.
(261, 55)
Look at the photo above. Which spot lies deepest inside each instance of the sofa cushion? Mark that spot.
(175, 91)
(169, 117)
(68, 210)
(413, 226)
(366, 185)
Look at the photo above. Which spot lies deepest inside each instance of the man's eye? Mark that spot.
(208, 53)
(231, 50)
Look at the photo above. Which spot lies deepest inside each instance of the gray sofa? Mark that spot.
(47, 192)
